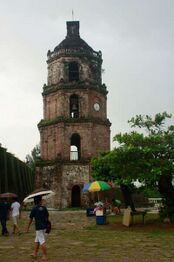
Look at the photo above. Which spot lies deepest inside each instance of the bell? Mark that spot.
(74, 107)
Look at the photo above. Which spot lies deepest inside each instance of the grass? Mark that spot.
(76, 238)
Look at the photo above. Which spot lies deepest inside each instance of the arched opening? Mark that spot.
(75, 196)
(75, 147)
(74, 106)
(73, 71)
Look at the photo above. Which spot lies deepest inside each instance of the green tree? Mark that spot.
(31, 159)
(145, 156)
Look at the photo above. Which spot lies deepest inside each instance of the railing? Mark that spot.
(73, 51)
(156, 202)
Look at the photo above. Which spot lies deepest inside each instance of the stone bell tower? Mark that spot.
(74, 127)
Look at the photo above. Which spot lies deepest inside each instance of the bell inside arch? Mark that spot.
(74, 107)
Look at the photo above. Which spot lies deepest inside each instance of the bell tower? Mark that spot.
(74, 127)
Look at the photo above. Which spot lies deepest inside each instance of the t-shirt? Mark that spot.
(40, 213)
(4, 209)
(15, 207)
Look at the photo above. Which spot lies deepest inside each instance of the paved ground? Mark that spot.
(77, 238)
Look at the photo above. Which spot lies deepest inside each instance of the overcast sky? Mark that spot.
(136, 38)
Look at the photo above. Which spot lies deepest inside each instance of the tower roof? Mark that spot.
(73, 40)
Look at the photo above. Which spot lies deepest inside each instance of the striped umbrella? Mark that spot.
(97, 186)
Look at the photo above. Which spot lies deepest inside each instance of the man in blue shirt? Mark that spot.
(40, 213)
(4, 215)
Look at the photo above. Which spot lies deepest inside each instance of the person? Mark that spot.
(40, 214)
(116, 204)
(127, 196)
(99, 206)
(107, 206)
(15, 213)
(4, 215)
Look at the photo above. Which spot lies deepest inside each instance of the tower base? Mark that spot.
(66, 180)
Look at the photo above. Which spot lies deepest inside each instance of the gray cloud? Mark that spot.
(136, 38)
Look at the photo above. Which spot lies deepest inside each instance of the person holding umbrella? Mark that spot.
(4, 215)
(40, 214)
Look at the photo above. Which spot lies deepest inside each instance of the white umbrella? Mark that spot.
(44, 193)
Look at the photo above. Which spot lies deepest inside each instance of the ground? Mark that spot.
(76, 238)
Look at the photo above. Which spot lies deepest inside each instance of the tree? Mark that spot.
(31, 159)
(147, 156)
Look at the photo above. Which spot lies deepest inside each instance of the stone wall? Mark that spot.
(58, 69)
(61, 178)
(56, 104)
(55, 140)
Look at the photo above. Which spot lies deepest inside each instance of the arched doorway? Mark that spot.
(75, 196)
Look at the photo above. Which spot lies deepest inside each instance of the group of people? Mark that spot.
(108, 206)
(38, 212)
(5, 210)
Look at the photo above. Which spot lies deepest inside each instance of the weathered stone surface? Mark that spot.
(61, 178)
(55, 140)
(74, 70)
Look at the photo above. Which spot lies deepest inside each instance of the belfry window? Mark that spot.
(73, 71)
(74, 106)
(75, 147)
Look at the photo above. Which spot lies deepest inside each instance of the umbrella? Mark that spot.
(8, 195)
(97, 186)
(44, 193)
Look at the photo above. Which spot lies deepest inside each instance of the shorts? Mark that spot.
(15, 220)
(40, 236)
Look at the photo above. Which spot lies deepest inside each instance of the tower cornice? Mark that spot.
(73, 53)
(62, 119)
(82, 85)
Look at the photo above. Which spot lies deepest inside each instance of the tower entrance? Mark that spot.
(75, 196)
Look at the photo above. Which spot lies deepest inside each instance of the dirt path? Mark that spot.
(76, 238)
